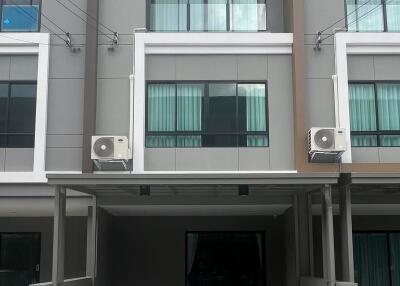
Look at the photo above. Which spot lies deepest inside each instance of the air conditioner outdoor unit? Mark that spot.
(326, 145)
(110, 148)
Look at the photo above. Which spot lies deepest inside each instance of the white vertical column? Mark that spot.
(91, 241)
(139, 105)
(59, 235)
(328, 241)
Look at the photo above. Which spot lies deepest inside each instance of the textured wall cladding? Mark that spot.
(276, 70)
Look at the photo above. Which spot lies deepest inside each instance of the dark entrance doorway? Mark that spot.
(19, 259)
(225, 259)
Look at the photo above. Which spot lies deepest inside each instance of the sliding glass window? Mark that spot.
(377, 258)
(206, 115)
(20, 15)
(373, 15)
(207, 15)
(17, 114)
(375, 114)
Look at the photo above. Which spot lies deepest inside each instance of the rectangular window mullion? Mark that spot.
(8, 113)
(377, 114)
(385, 23)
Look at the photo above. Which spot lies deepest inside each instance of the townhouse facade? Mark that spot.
(214, 100)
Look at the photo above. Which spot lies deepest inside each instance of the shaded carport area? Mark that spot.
(158, 204)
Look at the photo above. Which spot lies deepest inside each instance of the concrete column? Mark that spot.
(304, 236)
(328, 242)
(59, 236)
(346, 230)
(91, 249)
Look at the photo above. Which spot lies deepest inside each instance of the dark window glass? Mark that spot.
(3, 107)
(20, 15)
(22, 108)
(225, 259)
(221, 113)
(17, 115)
(206, 115)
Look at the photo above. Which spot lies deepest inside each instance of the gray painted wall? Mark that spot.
(274, 69)
(17, 68)
(65, 99)
(75, 243)
(150, 251)
(371, 68)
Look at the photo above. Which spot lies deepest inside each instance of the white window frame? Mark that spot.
(32, 44)
(357, 44)
(195, 44)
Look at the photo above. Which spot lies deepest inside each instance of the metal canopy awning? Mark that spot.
(276, 181)
(375, 178)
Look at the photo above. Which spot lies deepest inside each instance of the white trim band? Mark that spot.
(32, 44)
(189, 43)
(357, 44)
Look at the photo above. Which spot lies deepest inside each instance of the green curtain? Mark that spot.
(389, 112)
(371, 259)
(393, 15)
(362, 113)
(161, 114)
(189, 113)
(168, 15)
(197, 15)
(394, 241)
(217, 17)
(367, 15)
(244, 15)
(256, 117)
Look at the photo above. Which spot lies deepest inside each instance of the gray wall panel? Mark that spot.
(207, 159)
(64, 141)
(112, 107)
(63, 17)
(319, 14)
(123, 16)
(387, 67)
(252, 67)
(275, 69)
(320, 103)
(360, 67)
(365, 155)
(159, 159)
(23, 67)
(115, 64)
(320, 64)
(65, 106)
(389, 154)
(160, 67)
(5, 67)
(280, 105)
(64, 64)
(19, 160)
(200, 67)
(64, 159)
(275, 16)
(254, 159)
(2, 159)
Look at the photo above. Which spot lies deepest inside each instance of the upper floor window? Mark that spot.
(214, 114)
(373, 15)
(20, 15)
(375, 114)
(17, 114)
(207, 15)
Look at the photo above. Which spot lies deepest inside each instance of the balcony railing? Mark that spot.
(208, 17)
